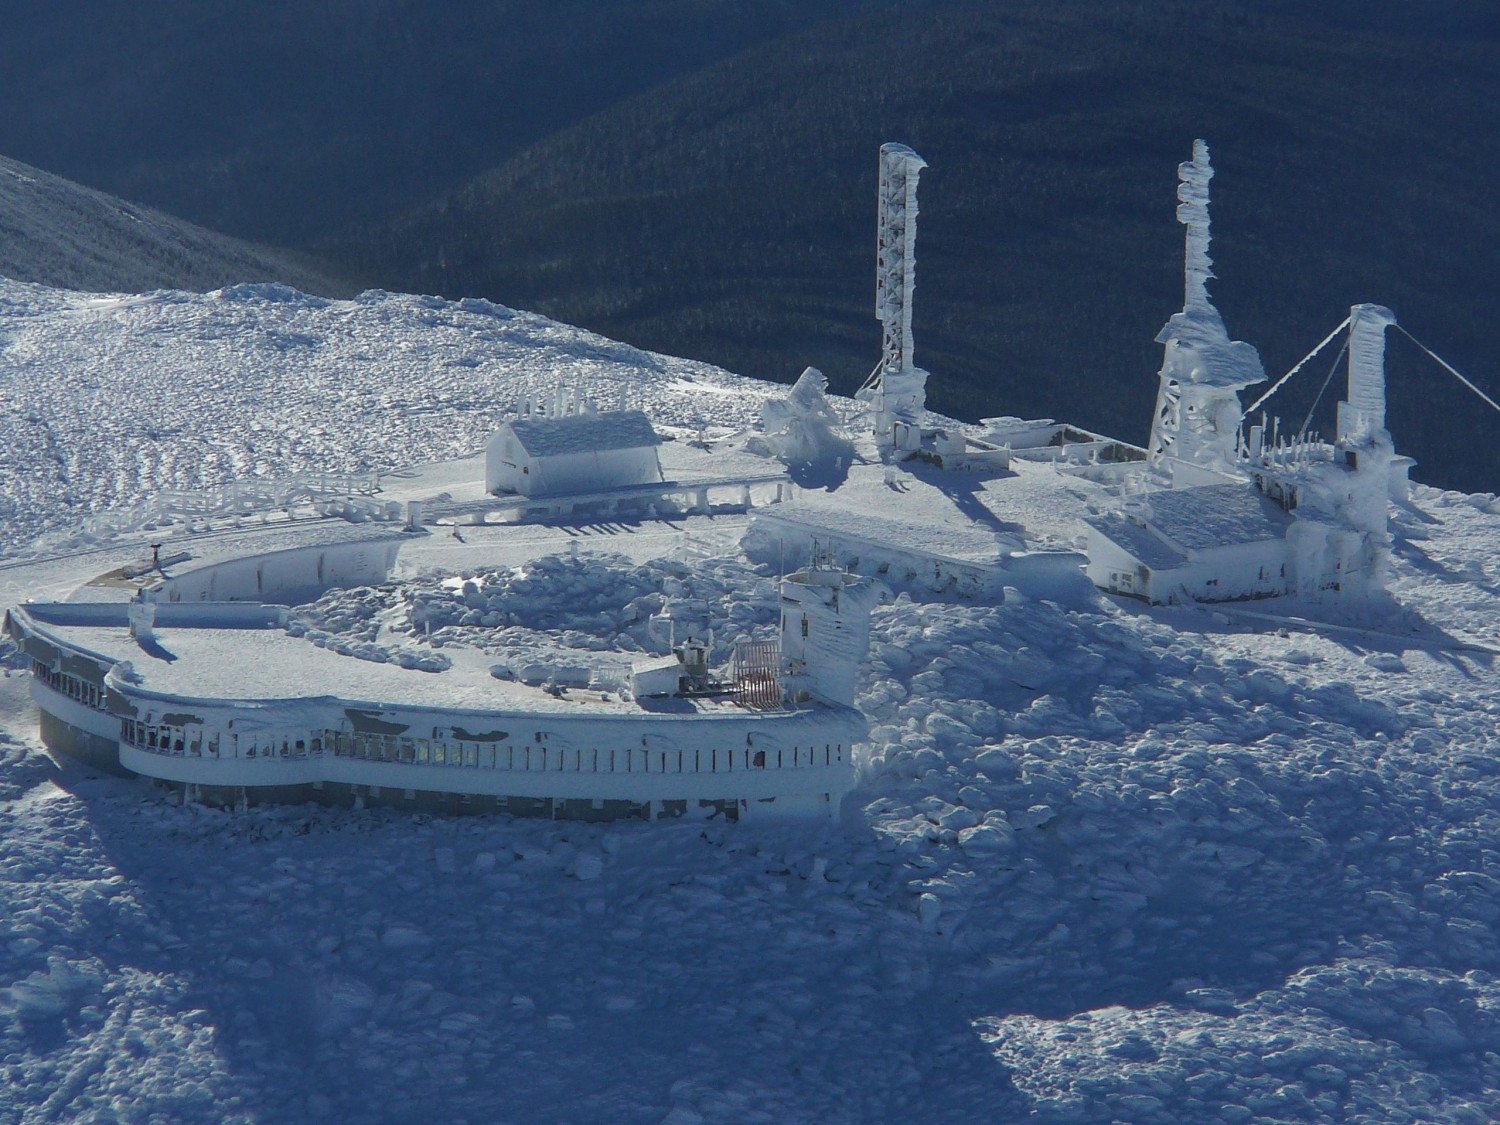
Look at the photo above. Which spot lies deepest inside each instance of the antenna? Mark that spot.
(1192, 212)
(896, 253)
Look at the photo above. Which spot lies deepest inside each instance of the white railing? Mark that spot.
(349, 493)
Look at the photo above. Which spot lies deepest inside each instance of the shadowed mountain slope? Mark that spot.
(729, 216)
(280, 122)
(55, 232)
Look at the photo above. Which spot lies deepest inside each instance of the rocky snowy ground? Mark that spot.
(1104, 863)
(108, 399)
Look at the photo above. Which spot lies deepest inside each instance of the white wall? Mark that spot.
(1111, 567)
(503, 458)
(509, 468)
(302, 569)
(1244, 570)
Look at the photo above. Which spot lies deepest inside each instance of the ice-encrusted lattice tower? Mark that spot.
(899, 391)
(1198, 410)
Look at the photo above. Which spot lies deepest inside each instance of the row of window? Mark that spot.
(78, 690)
(163, 738)
(175, 740)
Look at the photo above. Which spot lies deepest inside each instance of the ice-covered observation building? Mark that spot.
(221, 699)
(1211, 543)
(582, 451)
(1311, 517)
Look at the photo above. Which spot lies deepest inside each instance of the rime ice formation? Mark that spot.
(1196, 425)
(900, 388)
(1362, 414)
(1341, 495)
(801, 429)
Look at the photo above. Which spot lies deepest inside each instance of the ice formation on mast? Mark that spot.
(1198, 413)
(899, 390)
(1359, 499)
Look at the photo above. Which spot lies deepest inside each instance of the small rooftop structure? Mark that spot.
(550, 455)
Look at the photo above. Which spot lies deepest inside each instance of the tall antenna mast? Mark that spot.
(896, 253)
(899, 387)
(1192, 212)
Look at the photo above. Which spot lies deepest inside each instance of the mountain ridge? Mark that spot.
(727, 215)
(59, 233)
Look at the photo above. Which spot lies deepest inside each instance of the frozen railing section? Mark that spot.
(525, 757)
(348, 495)
(755, 673)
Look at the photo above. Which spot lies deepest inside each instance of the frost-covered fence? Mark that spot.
(342, 494)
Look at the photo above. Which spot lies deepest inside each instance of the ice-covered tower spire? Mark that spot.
(1198, 411)
(1192, 212)
(1364, 411)
(900, 387)
(1359, 497)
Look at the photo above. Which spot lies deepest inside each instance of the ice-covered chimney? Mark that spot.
(825, 632)
(1364, 411)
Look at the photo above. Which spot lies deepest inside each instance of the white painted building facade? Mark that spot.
(541, 455)
(1211, 543)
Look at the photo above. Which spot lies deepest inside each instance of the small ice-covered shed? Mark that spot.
(540, 455)
(1210, 543)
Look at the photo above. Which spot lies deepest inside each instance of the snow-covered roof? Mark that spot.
(1139, 542)
(584, 433)
(1215, 515)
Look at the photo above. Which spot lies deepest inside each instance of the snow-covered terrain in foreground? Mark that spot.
(57, 232)
(1105, 863)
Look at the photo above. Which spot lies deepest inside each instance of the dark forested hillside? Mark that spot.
(729, 215)
(281, 120)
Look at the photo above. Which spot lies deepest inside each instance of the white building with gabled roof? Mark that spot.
(546, 455)
(1209, 543)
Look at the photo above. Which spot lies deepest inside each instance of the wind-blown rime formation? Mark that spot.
(801, 429)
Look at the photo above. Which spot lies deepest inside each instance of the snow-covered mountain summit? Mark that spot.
(56, 232)
(1104, 861)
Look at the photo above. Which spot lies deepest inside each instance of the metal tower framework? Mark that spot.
(895, 255)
